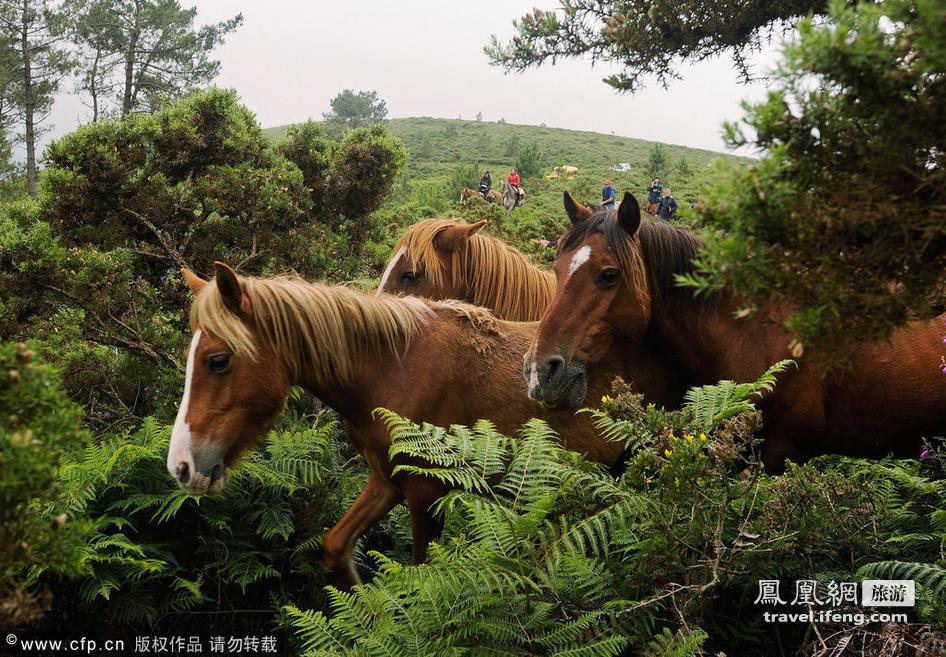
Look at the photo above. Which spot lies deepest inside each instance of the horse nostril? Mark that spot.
(553, 366)
(183, 472)
(216, 472)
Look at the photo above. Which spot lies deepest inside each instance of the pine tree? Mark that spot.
(34, 30)
(138, 54)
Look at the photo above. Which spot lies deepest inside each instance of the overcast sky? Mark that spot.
(291, 57)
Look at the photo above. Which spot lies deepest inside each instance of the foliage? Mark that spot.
(36, 61)
(546, 553)
(137, 54)
(528, 160)
(347, 180)
(843, 218)
(657, 161)
(643, 38)
(37, 425)
(157, 552)
(94, 264)
(351, 109)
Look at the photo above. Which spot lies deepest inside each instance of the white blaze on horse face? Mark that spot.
(581, 257)
(180, 448)
(533, 372)
(389, 269)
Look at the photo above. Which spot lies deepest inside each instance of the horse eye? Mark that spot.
(410, 277)
(609, 276)
(219, 363)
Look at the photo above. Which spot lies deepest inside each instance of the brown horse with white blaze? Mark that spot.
(439, 362)
(450, 259)
(617, 287)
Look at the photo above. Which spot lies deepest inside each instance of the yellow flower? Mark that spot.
(649, 481)
(689, 438)
(605, 399)
(668, 452)
(703, 437)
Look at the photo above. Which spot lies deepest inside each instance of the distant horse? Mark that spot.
(440, 362)
(509, 197)
(617, 286)
(449, 259)
(493, 196)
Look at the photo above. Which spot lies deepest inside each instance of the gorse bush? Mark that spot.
(546, 553)
(92, 266)
(842, 219)
(37, 425)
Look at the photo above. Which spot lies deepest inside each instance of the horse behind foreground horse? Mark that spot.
(450, 259)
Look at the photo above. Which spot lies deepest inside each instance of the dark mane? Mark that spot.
(666, 250)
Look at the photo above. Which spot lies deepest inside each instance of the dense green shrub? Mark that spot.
(155, 552)
(92, 266)
(37, 425)
(844, 218)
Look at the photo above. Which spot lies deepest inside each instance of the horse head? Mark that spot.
(423, 259)
(234, 387)
(601, 284)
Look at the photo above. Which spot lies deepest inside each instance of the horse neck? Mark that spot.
(705, 342)
(522, 297)
(347, 385)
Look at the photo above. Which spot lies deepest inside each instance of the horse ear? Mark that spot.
(194, 282)
(629, 214)
(575, 210)
(229, 286)
(453, 236)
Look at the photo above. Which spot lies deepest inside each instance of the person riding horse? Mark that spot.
(516, 183)
(486, 183)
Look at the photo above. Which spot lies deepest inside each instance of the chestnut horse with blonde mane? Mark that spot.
(492, 196)
(439, 362)
(617, 289)
(450, 259)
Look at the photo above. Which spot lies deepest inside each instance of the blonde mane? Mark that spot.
(486, 270)
(311, 325)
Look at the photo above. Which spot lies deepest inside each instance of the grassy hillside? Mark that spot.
(446, 154)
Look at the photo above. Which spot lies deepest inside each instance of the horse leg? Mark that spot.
(373, 502)
(421, 493)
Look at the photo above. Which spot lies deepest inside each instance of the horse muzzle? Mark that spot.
(556, 382)
(201, 471)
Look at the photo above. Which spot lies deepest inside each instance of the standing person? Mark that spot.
(608, 195)
(668, 206)
(515, 181)
(486, 183)
(653, 196)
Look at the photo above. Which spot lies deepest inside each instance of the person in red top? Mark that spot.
(515, 181)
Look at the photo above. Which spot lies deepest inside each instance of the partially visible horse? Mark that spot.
(440, 362)
(449, 259)
(617, 288)
(493, 196)
(510, 200)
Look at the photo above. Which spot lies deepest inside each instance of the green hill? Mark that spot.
(446, 154)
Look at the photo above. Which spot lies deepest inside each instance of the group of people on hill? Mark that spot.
(514, 180)
(660, 201)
